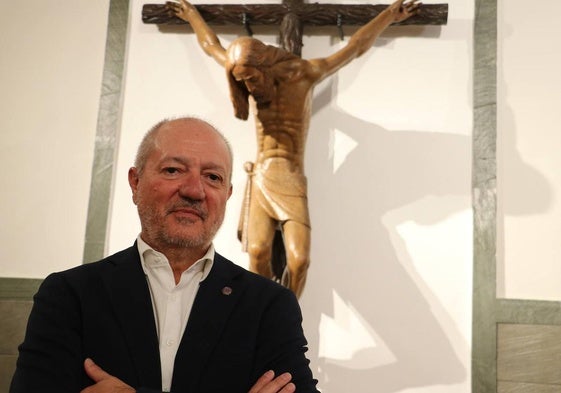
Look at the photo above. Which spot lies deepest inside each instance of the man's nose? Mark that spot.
(192, 187)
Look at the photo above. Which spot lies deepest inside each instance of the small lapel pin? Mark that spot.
(226, 291)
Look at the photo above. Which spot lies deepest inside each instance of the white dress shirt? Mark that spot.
(172, 303)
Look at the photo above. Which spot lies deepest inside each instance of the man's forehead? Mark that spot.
(184, 147)
(188, 137)
(186, 150)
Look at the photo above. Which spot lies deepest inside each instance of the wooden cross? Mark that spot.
(292, 16)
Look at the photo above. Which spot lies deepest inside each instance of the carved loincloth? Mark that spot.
(277, 190)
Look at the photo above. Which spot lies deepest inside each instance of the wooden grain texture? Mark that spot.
(310, 14)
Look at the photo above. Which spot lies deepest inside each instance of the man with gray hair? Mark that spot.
(168, 314)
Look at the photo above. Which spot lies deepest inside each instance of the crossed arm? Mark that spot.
(106, 383)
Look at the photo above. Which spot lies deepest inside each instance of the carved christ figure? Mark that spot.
(278, 86)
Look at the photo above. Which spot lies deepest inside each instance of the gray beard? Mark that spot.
(163, 237)
(185, 242)
(155, 228)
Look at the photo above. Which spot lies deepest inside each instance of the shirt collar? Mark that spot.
(205, 263)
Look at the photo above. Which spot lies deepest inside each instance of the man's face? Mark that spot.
(182, 191)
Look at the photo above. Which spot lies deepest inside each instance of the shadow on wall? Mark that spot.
(528, 193)
(371, 270)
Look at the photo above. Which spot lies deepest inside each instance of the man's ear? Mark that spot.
(133, 182)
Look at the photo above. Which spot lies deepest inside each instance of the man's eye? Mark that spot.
(214, 177)
(171, 170)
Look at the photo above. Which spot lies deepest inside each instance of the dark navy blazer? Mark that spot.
(103, 311)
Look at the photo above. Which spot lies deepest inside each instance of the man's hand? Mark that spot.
(104, 382)
(269, 384)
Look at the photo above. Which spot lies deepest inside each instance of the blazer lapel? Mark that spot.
(217, 296)
(132, 303)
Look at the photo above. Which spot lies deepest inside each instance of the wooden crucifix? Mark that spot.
(277, 83)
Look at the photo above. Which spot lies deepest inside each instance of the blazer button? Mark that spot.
(226, 291)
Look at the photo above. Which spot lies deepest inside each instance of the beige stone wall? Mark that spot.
(15, 304)
(13, 314)
(528, 358)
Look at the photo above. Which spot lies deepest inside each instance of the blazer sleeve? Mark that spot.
(282, 345)
(50, 355)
